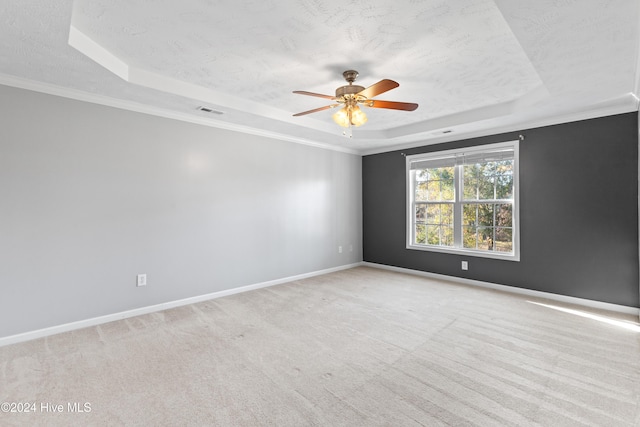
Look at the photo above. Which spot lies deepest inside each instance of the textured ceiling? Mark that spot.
(474, 66)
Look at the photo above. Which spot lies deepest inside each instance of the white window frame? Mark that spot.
(458, 249)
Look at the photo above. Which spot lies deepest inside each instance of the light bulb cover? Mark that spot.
(350, 116)
(358, 117)
(342, 117)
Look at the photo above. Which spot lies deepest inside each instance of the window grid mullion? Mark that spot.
(493, 225)
(457, 206)
(413, 207)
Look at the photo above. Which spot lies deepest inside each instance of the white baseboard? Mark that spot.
(40, 333)
(514, 290)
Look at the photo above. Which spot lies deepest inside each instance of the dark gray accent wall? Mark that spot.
(578, 212)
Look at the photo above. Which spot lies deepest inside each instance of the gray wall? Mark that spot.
(90, 196)
(578, 212)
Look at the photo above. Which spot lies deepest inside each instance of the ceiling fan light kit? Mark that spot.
(350, 116)
(351, 96)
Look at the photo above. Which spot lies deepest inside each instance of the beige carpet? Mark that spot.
(361, 347)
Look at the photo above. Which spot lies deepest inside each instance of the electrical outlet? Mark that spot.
(141, 280)
(465, 265)
(339, 249)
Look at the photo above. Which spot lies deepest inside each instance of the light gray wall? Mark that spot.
(90, 196)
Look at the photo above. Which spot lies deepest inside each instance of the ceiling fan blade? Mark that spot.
(377, 88)
(326, 107)
(319, 95)
(406, 106)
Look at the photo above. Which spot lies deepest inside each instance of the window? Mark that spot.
(465, 201)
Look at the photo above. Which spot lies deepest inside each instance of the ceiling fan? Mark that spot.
(351, 96)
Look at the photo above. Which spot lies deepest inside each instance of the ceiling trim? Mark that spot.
(623, 104)
(102, 56)
(141, 77)
(626, 103)
(79, 95)
(470, 116)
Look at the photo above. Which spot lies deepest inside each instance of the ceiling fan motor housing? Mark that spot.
(348, 90)
(350, 76)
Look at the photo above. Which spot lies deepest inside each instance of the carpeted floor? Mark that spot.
(360, 347)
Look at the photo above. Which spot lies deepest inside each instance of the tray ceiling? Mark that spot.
(474, 66)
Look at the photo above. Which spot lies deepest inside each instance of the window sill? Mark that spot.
(468, 252)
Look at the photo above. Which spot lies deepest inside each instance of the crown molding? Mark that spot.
(79, 95)
(626, 103)
(623, 104)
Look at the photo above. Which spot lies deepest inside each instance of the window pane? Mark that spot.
(469, 214)
(487, 181)
(504, 239)
(439, 235)
(433, 234)
(433, 213)
(422, 175)
(504, 167)
(439, 213)
(469, 239)
(447, 189)
(485, 215)
(504, 215)
(470, 182)
(420, 213)
(420, 234)
(485, 187)
(504, 186)
(433, 189)
(470, 189)
(446, 214)
(485, 238)
(447, 236)
(421, 192)
(440, 184)
(488, 168)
